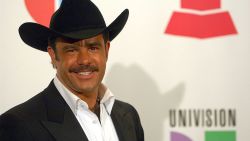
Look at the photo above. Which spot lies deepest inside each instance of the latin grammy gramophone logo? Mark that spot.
(206, 20)
(42, 10)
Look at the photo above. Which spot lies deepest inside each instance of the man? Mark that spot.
(75, 106)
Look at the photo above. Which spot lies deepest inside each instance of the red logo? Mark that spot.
(201, 25)
(42, 10)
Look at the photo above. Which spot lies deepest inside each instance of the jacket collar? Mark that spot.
(63, 125)
(61, 122)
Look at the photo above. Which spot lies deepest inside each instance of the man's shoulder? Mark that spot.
(124, 107)
(125, 116)
(24, 120)
(33, 108)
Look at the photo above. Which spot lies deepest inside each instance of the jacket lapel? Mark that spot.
(61, 122)
(122, 123)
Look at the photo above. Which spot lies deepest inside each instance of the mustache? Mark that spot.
(83, 68)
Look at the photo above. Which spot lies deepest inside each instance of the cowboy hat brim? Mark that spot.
(37, 35)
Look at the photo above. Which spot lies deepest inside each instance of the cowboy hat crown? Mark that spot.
(75, 19)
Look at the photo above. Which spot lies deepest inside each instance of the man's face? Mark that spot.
(80, 64)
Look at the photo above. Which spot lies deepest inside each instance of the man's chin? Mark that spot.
(86, 90)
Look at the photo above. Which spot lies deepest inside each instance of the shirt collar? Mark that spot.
(72, 100)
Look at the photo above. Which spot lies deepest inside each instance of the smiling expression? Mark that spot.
(80, 64)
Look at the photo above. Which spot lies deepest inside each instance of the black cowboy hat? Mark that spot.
(75, 19)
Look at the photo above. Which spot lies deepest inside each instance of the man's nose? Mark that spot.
(83, 57)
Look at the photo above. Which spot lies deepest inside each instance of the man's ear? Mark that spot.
(52, 56)
(107, 46)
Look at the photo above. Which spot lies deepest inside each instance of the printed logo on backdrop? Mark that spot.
(42, 10)
(197, 23)
(207, 119)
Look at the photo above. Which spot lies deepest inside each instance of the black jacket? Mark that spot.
(47, 117)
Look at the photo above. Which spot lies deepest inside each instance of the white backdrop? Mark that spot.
(153, 71)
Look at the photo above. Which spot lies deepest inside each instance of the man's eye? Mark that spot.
(70, 50)
(93, 48)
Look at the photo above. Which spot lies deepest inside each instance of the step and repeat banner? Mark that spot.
(184, 64)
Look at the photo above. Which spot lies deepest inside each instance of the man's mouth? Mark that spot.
(84, 69)
(85, 73)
